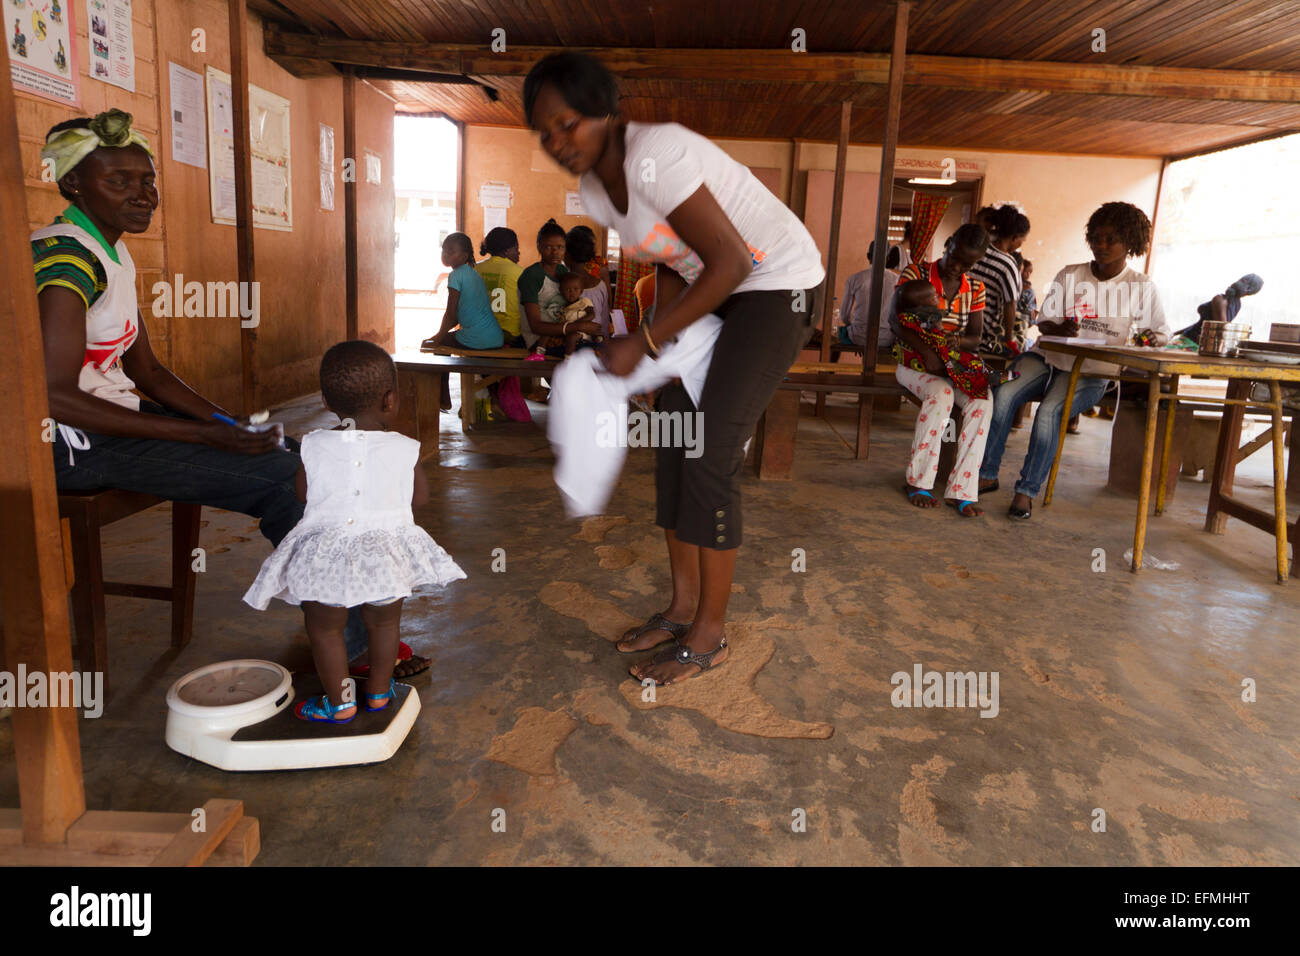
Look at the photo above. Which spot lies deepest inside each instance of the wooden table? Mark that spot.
(1240, 373)
(420, 380)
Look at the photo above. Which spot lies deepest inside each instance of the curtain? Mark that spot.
(927, 212)
(629, 270)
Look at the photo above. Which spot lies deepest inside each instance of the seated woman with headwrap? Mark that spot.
(174, 443)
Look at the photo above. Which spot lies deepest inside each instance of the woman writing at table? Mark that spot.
(1105, 300)
(739, 253)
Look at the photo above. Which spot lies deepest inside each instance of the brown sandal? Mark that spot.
(684, 655)
(657, 622)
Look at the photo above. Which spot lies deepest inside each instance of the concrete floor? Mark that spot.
(1117, 692)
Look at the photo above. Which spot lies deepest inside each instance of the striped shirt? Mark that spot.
(968, 299)
(63, 261)
(1001, 277)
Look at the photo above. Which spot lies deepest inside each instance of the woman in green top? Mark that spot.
(540, 298)
(500, 273)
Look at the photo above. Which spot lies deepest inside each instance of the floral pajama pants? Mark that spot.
(938, 396)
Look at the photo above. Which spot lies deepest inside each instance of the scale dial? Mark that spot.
(236, 684)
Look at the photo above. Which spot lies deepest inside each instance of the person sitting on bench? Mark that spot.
(175, 444)
(468, 322)
(856, 303)
(940, 370)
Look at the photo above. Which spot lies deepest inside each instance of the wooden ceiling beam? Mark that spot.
(784, 66)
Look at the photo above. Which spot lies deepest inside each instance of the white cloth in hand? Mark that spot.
(586, 400)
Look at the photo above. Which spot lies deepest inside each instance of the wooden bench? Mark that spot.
(774, 437)
(86, 513)
(420, 380)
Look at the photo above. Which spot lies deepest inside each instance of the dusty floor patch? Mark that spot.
(727, 696)
(594, 529)
(606, 620)
(531, 744)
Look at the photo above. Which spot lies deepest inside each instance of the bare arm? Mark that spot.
(969, 341)
(705, 228)
(1009, 321)
(420, 490)
(449, 319)
(63, 330)
(160, 383)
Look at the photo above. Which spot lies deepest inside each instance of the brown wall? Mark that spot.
(301, 272)
(512, 155)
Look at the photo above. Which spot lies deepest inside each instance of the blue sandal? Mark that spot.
(318, 710)
(385, 698)
(963, 507)
(914, 493)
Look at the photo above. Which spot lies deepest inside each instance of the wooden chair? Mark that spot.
(86, 513)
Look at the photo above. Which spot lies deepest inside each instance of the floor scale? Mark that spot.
(238, 715)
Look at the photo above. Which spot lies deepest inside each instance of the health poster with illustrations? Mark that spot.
(42, 58)
(112, 49)
(269, 128)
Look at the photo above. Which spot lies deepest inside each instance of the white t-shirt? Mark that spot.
(664, 165)
(1112, 309)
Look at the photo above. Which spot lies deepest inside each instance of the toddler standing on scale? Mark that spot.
(357, 542)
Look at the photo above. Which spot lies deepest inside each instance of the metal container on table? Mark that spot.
(1222, 338)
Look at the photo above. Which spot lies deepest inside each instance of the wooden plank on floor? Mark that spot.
(122, 838)
(188, 848)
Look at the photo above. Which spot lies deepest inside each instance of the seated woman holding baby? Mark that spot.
(937, 318)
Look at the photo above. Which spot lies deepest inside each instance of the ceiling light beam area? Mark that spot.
(784, 66)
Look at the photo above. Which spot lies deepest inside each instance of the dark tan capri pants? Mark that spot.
(762, 333)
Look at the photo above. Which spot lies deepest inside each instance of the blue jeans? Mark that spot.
(261, 486)
(1038, 382)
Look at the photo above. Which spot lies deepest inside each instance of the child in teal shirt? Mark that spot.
(468, 322)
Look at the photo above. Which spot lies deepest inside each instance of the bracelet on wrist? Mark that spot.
(650, 342)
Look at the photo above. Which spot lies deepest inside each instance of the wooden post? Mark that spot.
(350, 203)
(832, 253)
(33, 586)
(1155, 211)
(884, 205)
(462, 130)
(243, 191)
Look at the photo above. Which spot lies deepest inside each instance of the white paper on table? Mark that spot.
(1073, 340)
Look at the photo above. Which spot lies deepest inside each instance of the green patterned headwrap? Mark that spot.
(112, 128)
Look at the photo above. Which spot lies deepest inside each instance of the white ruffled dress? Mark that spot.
(357, 542)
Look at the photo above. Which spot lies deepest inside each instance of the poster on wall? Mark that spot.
(573, 203)
(327, 167)
(42, 58)
(272, 188)
(269, 131)
(112, 49)
(221, 147)
(189, 121)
